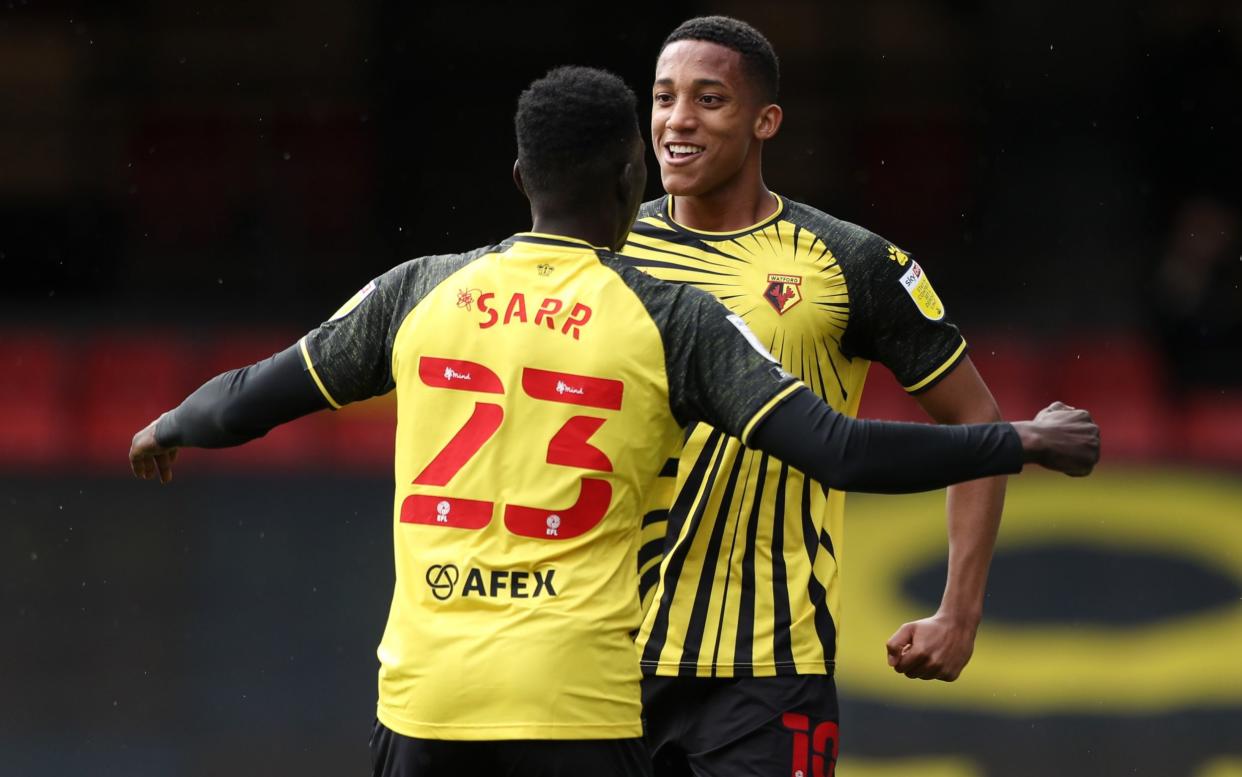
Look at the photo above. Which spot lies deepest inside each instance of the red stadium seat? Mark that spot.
(35, 424)
(883, 397)
(1011, 367)
(1118, 378)
(124, 381)
(1212, 426)
(1015, 372)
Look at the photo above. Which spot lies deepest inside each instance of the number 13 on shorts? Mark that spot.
(568, 447)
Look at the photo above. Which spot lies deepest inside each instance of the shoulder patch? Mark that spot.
(354, 301)
(919, 288)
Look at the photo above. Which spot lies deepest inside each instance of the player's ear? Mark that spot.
(629, 192)
(628, 181)
(517, 178)
(768, 122)
(633, 179)
(631, 185)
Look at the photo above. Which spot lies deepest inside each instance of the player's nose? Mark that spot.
(681, 118)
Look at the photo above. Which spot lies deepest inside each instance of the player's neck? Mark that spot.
(730, 208)
(592, 231)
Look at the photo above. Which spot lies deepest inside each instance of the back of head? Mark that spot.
(758, 56)
(575, 130)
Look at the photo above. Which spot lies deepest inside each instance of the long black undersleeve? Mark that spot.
(882, 456)
(241, 405)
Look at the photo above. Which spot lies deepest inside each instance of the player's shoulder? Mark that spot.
(431, 269)
(656, 294)
(841, 236)
(434, 264)
(403, 286)
(857, 248)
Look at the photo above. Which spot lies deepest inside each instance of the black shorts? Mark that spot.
(735, 727)
(395, 755)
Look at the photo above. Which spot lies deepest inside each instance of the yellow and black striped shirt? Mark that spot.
(740, 557)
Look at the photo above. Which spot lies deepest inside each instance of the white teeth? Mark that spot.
(679, 148)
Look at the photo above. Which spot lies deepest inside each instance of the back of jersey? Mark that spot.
(541, 385)
(533, 409)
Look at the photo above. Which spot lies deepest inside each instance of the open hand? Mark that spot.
(148, 459)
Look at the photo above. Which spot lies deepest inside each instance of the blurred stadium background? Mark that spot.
(186, 187)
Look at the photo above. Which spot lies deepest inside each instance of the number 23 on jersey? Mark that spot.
(568, 447)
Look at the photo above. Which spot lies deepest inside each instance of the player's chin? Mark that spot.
(681, 183)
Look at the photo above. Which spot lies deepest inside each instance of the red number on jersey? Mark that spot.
(569, 447)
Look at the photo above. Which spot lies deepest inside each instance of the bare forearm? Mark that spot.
(1061, 438)
(974, 514)
(973, 509)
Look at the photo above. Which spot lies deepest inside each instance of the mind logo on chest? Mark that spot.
(783, 292)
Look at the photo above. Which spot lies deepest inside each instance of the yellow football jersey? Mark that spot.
(740, 561)
(541, 385)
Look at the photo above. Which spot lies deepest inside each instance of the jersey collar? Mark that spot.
(541, 238)
(667, 213)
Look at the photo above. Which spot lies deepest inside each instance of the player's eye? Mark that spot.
(710, 99)
(663, 98)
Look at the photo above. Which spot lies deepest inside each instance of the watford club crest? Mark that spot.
(783, 292)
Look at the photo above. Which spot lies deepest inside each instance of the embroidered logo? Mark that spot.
(783, 292)
(465, 298)
(898, 256)
(545, 269)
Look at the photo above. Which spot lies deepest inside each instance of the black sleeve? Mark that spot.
(719, 373)
(881, 456)
(897, 319)
(244, 404)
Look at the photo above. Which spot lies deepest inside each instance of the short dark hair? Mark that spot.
(574, 127)
(758, 56)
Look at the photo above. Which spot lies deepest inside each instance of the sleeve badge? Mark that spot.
(919, 288)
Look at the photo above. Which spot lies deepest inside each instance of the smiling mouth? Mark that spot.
(681, 151)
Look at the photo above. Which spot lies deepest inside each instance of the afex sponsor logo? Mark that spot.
(442, 580)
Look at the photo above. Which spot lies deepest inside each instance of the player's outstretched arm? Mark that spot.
(722, 375)
(886, 457)
(230, 409)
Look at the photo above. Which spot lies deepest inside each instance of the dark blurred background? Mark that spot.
(187, 187)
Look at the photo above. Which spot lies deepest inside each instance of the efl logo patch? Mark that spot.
(920, 290)
(782, 292)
